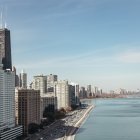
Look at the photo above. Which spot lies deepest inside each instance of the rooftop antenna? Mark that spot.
(1, 17)
(5, 24)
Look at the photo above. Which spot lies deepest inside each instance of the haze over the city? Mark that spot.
(86, 41)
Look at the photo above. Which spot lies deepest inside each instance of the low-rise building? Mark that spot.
(49, 101)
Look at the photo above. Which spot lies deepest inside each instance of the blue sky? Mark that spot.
(93, 42)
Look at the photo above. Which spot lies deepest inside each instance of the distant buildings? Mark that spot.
(74, 93)
(82, 93)
(46, 86)
(40, 83)
(23, 80)
(121, 91)
(61, 92)
(16, 77)
(97, 91)
(50, 82)
(27, 107)
(89, 91)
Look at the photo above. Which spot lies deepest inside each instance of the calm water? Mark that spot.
(112, 119)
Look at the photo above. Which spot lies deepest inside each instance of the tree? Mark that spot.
(49, 113)
(32, 128)
(60, 114)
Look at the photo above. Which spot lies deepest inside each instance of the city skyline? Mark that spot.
(85, 41)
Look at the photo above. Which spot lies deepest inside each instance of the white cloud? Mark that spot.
(130, 57)
(85, 60)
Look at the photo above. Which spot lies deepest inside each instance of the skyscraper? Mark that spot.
(27, 107)
(76, 92)
(82, 93)
(5, 48)
(8, 129)
(23, 79)
(40, 83)
(61, 89)
(50, 82)
(16, 77)
(89, 91)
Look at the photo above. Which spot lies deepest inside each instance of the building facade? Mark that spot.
(27, 107)
(50, 102)
(50, 82)
(61, 89)
(89, 91)
(5, 48)
(16, 77)
(76, 87)
(8, 128)
(83, 93)
(23, 80)
(40, 83)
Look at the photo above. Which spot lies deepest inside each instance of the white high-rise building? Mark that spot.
(7, 98)
(50, 82)
(61, 89)
(40, 83)
(23, 79)
(8, 130)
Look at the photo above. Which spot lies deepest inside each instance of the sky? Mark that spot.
(93, 42)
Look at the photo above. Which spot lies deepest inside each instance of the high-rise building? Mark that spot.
(50, 102)
(96, 90)
(48, 97)
(89, 91)
(23, 79)
(5, 48)
(40, 83)
(74, 93)
(16, 77)
(50, 82)
(8, 129)
(27, 107)
(82, 93)
(61, 89)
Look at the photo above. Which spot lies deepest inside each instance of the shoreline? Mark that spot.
(78, 124)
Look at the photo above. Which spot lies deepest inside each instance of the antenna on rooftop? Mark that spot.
(5, 24)
(1, 17)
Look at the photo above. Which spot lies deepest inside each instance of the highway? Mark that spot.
(63, 129)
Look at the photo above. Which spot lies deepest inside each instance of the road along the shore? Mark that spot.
(76, 126)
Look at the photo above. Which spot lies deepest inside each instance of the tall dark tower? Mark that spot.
(5, 48)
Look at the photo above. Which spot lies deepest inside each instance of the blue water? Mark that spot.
(112, 119)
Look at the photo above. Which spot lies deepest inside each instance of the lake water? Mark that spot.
(112, 119)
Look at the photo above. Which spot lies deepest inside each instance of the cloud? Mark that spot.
(84, 60)
(130, 57)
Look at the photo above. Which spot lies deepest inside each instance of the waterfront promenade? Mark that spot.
(66, 128)
(71, 133)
